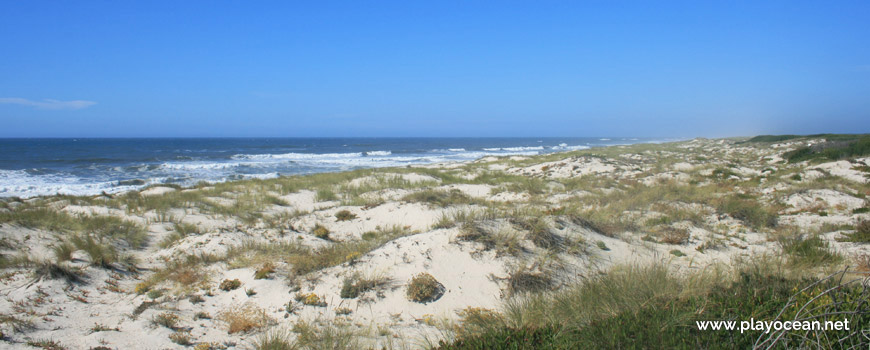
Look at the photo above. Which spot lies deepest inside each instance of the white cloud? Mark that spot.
(47, 103)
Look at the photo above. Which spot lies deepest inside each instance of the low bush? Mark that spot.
(228, 285)
(264, 271)
(320, 231)
(166, 319)
(424, 288)
(244, 318)
(345, 215)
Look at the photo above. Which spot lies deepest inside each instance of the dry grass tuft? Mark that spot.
(244, 318)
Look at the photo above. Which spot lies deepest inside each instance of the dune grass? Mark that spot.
(648, 307)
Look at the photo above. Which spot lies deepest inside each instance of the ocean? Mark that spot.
(88, 166)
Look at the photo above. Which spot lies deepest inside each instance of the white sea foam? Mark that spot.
(199, 165)
(295, 156)
(519, 149)
(18, 183)
(565, 147)
(21, 183)
(379, 153)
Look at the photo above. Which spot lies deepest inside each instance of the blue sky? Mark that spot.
(433, 68)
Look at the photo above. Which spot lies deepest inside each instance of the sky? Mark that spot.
(433, 68)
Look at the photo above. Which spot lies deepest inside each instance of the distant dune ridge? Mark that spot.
(607, 247)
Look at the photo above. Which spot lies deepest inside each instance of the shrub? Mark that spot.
(250, 292)
(244, 318)
(345, 215)
(181, 338)
(355, 285)
(228, 285)
(166, 319)
(320, 232)
(155, 293)
(525, 279)
(310, 299)
(264, 271)
(424, 288)
(601, 245)
(672, 235)
(677, 253)
(46, 344)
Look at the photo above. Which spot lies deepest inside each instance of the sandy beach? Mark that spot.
(228, 265)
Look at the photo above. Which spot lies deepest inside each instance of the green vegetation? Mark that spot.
(166, 319)
(345, 215)
(861, 234)
(424, 288)
(228, 285)
(780, 138)
(650, 308)
(831, 150)
(320, 231)
(806, 250)
(357, 284)
(439, 198)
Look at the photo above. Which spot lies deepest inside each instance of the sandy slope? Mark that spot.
(472, 275)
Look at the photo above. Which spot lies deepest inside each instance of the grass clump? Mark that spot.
(440, 198)
(672, 235)
(424, 288)
(524, 279)
(357, 284)
(752, 213)
(538, 230)
(170, 240)
(186, 229)
(50, 270)
(166, 319)
(100, 254)
(228, 285)
(275, 340)
(324, 194)
(345, 215)
(310, 299)
(63, 251)
(331, 336)
(46, 344)
(861, 234)
(808, 250)
(244, 318)
(320, 231)
(264, 271)
(182, 338)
